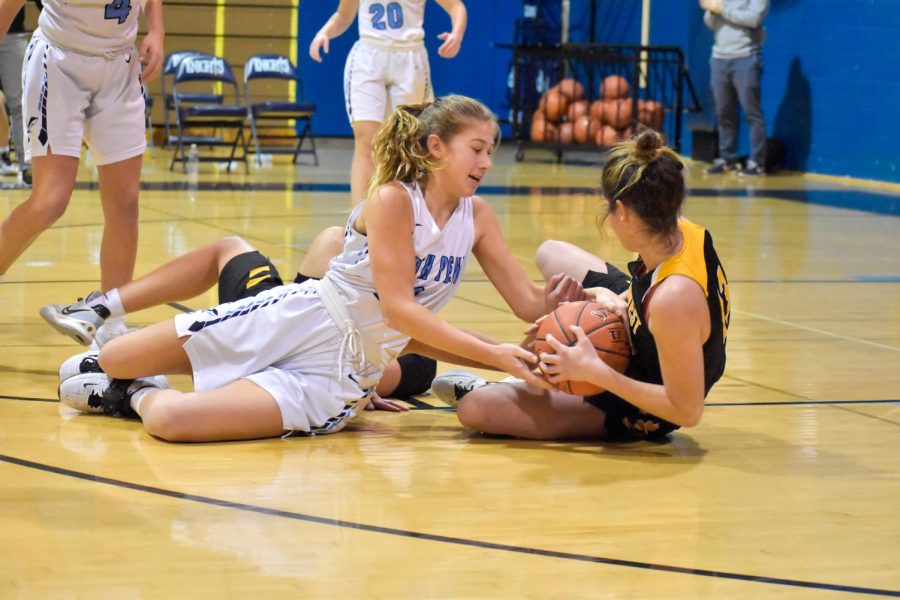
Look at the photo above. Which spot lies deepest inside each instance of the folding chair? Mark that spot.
(278, 67)
(214, 73)
(169, 69)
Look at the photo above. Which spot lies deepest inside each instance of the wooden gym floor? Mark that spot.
(787, 489)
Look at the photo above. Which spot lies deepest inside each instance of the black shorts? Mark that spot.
(614, 279)
(246, 275)
(624, 421)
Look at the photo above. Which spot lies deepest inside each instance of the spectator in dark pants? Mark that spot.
(12, 54)
(736, 68)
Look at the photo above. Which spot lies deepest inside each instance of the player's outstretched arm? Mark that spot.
(337, 24)
(459, 18)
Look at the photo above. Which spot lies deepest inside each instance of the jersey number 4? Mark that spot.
(392, 10)
(117, 9)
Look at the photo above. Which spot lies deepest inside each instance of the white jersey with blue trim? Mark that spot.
(90, 27)
(393, 24)
(441, 256)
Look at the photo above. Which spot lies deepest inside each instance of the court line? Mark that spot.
(852, 199)
(420, 405)
(445, 539)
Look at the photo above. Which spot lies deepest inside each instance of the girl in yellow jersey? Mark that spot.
(676, 305)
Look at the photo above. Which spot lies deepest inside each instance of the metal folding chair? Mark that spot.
(278, 67)
(215, 74)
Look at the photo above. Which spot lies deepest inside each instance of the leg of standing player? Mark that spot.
(54, 180)
(119, 192)
(362, 167)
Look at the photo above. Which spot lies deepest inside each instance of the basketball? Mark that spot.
(556, 105)
(614, 87)
(606, 136)
(578, 109)
(617, 113)
(605, 329)
(572, 89)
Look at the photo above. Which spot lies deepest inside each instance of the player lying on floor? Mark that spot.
(302, 358)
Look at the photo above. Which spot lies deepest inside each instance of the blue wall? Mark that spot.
(831, 89)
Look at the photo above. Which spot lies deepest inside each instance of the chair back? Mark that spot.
(269, 66)
(204, 68)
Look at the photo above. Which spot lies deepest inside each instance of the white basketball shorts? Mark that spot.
(284, 341)
(377, 80)
(67, 97)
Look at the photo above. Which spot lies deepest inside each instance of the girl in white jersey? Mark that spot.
(303, 358)
(82, 80)
(386, 68)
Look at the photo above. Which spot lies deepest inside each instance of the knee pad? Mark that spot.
(416, 374)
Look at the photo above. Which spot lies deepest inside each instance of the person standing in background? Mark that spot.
(735, 73)
(12, 55)
(387, 67)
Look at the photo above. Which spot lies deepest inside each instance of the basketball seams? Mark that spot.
(560, 326)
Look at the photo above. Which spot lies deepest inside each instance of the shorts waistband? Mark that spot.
(393, 46)
(108, 55)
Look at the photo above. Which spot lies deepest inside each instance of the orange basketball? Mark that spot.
(596, 109)
(606, 331)
(617, 113)
(556, 106)
(572, 89)
(606, 136)
(614, 87)
(542, 130)
(566, 133)
(577, 109)
(582, 130)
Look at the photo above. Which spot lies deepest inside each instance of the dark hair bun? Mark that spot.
(646, 144)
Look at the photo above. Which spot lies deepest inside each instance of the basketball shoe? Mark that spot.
(79, 320)
(453, 385)
(85, 362)
(6, 166)
(98, 394)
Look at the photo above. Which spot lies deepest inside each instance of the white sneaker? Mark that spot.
(79, 320)
(85, 362)
(453, 385)
(98, 394)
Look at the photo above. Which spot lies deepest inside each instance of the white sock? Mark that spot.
(112, 302)
(138, 397)
(4, 149)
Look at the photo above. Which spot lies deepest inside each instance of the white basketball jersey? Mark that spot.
(90, 26)
(395, 23)
(441, 257)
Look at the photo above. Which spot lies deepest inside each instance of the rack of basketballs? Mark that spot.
(567, 115)
(596, 95)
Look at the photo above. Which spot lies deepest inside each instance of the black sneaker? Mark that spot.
(27, 175)
(753, 169)
(719, 166)
(6, 166)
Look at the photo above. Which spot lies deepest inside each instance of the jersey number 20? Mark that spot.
(392, 10)
(117, 9)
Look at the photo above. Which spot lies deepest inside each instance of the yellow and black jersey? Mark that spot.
(697, 260)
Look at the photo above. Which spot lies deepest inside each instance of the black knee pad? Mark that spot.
(416, 374)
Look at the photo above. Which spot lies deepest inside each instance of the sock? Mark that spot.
(113, 303)
(138, 397)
